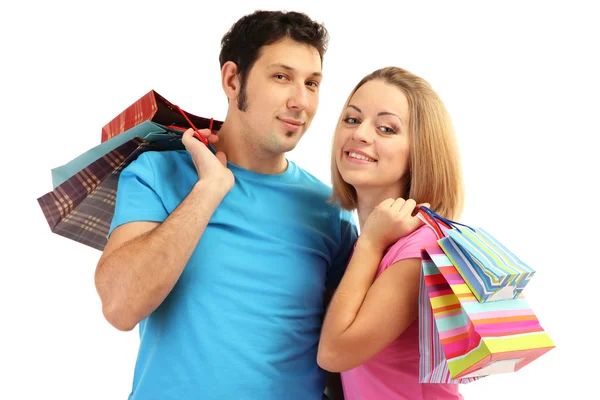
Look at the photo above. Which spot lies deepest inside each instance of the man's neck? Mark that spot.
(247, 154)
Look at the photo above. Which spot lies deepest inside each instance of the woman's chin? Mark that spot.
(356, 182)
(352, 178)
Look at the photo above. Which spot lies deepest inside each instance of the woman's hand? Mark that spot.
(389, 221)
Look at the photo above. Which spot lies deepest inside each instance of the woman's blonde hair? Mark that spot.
(434, 175)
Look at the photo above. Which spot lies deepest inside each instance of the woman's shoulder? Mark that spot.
(410, 246)
(423, 235)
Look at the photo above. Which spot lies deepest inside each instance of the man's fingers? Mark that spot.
(190, 134)
(195, 147)
(205, 132)
(222, 158)
(187, 135)
(189, 140)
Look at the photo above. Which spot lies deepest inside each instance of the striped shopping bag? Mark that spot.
(491, 270)
(469, 339)
(433, 366)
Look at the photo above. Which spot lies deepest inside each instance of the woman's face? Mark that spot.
(372, 142)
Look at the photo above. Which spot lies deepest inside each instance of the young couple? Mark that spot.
(228, 257)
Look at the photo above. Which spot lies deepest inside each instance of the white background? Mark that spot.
(519, 78)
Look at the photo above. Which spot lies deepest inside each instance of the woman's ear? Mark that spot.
(230, 80)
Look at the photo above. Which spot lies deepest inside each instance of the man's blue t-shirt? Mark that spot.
(243, 320)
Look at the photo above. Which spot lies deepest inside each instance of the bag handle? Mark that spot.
(432, 223)
(434, 220)
(197, 134)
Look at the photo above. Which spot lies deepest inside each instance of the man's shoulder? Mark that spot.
(312, 182)
(320, 194)
(163, 171)
(165, 162)
(164, 158)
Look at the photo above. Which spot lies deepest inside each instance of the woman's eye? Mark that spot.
(387, 129)
(351, 120)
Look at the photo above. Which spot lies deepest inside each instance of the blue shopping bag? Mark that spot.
(149, 131)
(151, 118)
(489, 269)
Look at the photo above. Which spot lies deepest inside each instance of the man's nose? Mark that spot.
(298, 99)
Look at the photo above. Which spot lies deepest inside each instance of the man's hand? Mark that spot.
(207, 165)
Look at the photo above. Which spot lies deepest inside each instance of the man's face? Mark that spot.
(282, 96)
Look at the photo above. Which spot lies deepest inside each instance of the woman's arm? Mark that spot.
(365, 316)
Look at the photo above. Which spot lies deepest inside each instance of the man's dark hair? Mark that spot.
(243, 42)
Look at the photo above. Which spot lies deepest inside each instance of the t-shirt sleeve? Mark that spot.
(137, 198)
(410, 246)
(348, 236)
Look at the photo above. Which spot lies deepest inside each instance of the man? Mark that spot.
(226, 262)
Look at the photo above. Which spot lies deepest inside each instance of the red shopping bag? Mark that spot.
(155, 108)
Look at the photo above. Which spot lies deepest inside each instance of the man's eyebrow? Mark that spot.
(378, 114)
(291, 69)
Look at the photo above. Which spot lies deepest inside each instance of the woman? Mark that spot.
(394, 141)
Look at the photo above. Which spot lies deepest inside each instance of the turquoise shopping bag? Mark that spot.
(489, 268)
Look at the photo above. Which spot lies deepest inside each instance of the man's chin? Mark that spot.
(290, 141)
(287, 147)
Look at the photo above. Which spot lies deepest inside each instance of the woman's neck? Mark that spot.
(369, 198)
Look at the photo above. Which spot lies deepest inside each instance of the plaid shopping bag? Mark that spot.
(81, 204)
(81, 208)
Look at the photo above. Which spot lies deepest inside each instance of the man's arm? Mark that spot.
(142, 261)
(334, 389)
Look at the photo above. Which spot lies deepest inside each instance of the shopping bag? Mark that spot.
(155, 108)
(81, 204)
(478, 339)
(152, 118)
(433, 366)
(491, 270)
(165, 138)
(82, 207)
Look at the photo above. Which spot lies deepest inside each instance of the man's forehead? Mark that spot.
(278, 65)
(290, 55)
